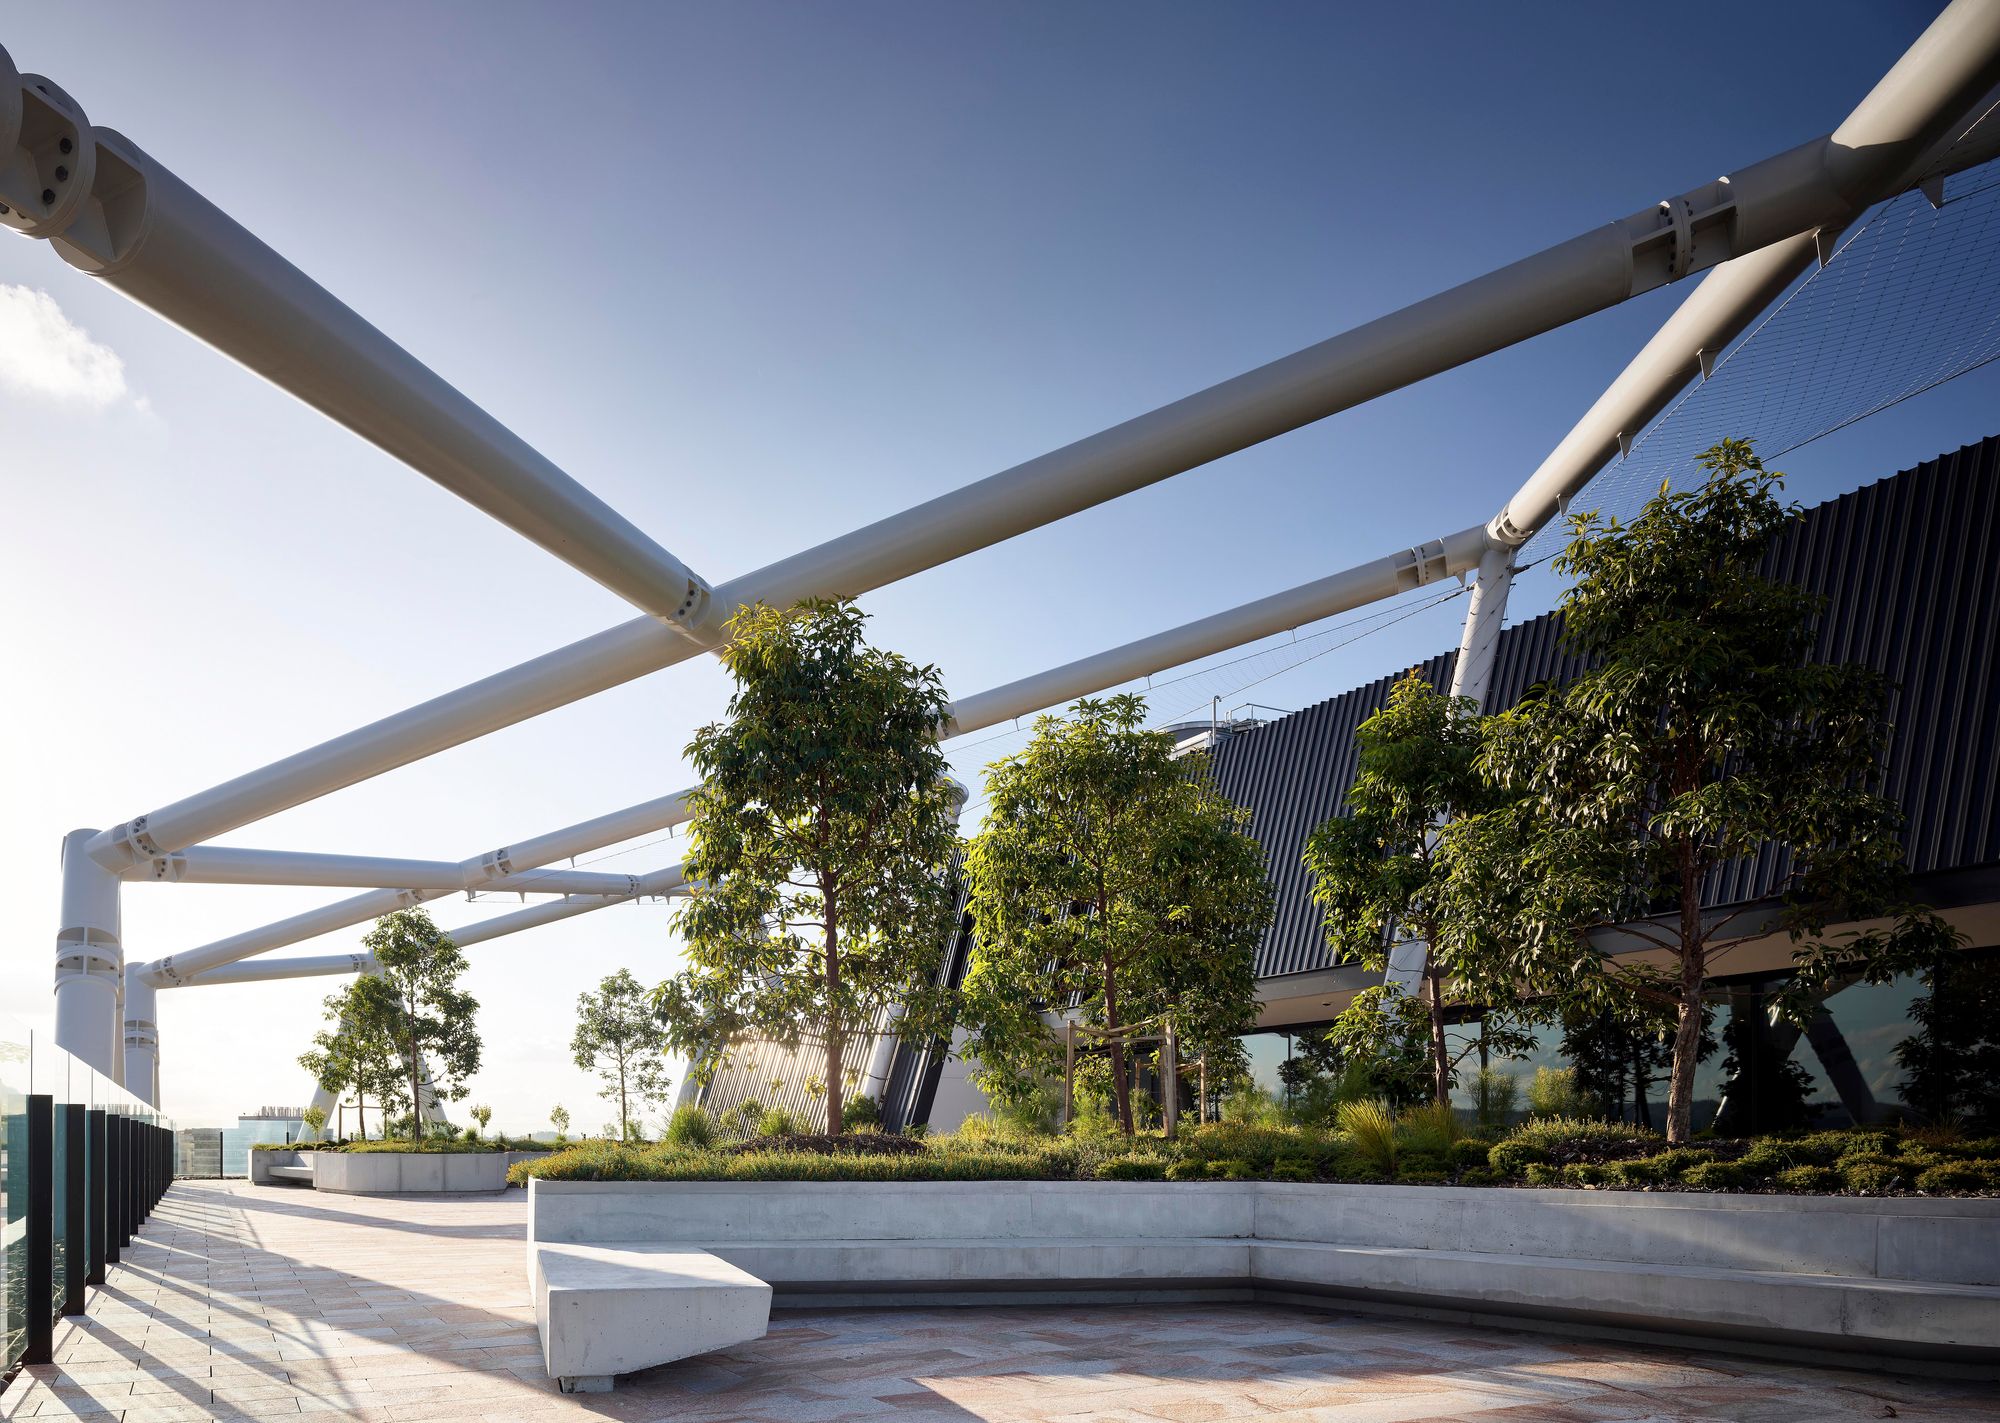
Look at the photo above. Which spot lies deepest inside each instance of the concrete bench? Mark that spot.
(291, 1173)
(611, 1309)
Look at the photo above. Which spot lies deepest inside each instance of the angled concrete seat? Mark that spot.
(605, 1310)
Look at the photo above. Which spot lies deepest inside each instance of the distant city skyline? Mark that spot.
(758, 275)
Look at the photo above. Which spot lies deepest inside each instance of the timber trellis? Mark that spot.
(115, 213)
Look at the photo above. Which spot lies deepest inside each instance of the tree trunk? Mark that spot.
(1121, 1084)
(836, 1039)
(1687, 1033)
(1440, 1050)
(624, 1121)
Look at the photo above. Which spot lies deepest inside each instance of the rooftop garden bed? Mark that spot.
(1369, 1147)
(433, 1144)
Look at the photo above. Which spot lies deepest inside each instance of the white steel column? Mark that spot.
(90, 960)
(142, 1036)
(1485, 615)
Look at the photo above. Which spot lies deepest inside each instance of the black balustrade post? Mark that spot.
(41, 1273)
(97, 1188)
(76, 1212)
(114, 1186)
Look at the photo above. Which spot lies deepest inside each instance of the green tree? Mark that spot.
(1701, 733)
(1376, 877)
(356, 1054)
(1618, 1056)
(413, 1001)
(1110, 873)
(821, 844)
(481, 1116)
(559, 1119)
(620, 1036)
(314, 1118)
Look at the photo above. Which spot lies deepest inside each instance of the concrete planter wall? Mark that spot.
(388, 1173)
(261, 1163)
(1823, 1277)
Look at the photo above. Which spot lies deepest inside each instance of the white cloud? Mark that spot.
(45, 354)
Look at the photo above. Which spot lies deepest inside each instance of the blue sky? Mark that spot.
(758, 274)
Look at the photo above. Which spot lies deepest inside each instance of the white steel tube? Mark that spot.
(142, 1036)
(669, 881)
(90, 958)
(124, 217)
(229, 864)
(1806, 188)
(1485, 615)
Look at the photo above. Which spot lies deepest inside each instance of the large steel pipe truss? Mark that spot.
(116, 213)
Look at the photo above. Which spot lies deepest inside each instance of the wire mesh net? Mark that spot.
(1909, 301)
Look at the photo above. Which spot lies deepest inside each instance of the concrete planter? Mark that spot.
(261, 1163)
(1820, 1277)
(390, 1173)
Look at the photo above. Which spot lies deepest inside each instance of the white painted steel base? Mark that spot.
(604, 1311)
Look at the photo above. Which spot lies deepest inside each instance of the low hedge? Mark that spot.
(1555, 1153)
(455, 1144)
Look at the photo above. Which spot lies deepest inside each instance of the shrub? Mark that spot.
(857, 1112)
(776, 1121)
(1423, 1178)
(1583, 1173)
(1371, 1133)
(1564, 1140)
(1433, 1127)
(1870, 1175)
(1288, 1171)
(1477, 1176)
(1809, 1178)
(1185, 1170)
(1131, 1168)
(1541, 1173)
(1953, 1176)
(1555, 1092)
(1469, 1154)
(1715, 1176)
(1420, 1163)
(690, 1126)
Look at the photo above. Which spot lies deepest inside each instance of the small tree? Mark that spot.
(314, 1118)
(1702, 733)
(1109, 872)
(481, 1116)
(821, 842)
(414, 1001)
(356, 1054)
(620, 1035)
(559, 1119)
(1375, 874)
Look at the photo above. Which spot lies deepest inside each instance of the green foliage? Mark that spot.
(413, 1001)
(1493, 1095)
(619, 1035)
(861, 1112)
(1370, 1129)
(1563, 1141)
(1817, 1179)
(1385, 1035)
(776, 1121)
(1620, 1051)
(1244, 1102)
(821, 842)
(559, 1119)
(1555, 1093)
(1432, 1127)
(314, 1119)
(1701, 733)
(1715, 1176)
(1869, 1175)
(1132, 1168)
(1376, 879)
(356, 1054)
(1951, 1064)
(1110, 872)
(690, 1126)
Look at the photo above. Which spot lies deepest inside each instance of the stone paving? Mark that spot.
(247, 1302)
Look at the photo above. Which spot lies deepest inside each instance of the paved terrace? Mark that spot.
(244, 1302)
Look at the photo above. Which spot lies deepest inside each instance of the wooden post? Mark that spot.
(1201, 1099)
(1069, 1070)
(1170, 1077)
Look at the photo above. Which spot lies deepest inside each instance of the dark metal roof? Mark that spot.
(1907, 566)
